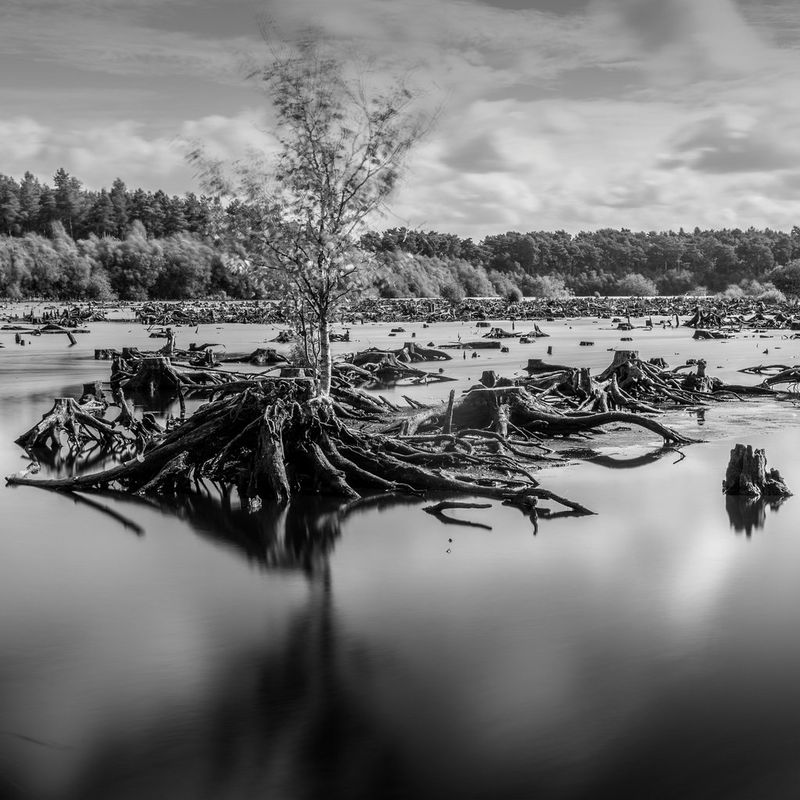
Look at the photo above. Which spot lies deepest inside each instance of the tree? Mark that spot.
(68, 199)
(787, 278)
(341, 150)
(453, 293)
(10, 209)
(29, 191)
(101, 215)
(47, 212)
(119, 199)
(550, 286)
(755, 254)
(636, 285)
(514, 295)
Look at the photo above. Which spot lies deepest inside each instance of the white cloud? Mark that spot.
(636, 113)
(126, 149)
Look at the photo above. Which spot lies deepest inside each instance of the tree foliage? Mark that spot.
(132, 243)
(341, 149)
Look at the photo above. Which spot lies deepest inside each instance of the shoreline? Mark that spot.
(710, 311)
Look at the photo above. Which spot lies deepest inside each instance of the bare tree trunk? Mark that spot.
(325, 360)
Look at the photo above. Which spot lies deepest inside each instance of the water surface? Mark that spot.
(650, 651)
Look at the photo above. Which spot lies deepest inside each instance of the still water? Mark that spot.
(650, 651)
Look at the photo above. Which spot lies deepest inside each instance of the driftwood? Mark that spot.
(632, 384)
(709, 312)
(376, 368)
(260, 357)
(438, 511)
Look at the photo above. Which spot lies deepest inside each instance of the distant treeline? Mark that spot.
(604, 262)
(66, 242)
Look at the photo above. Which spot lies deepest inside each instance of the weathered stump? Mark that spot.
(747, 474)
(78, 422)
(153, 375)
(621, 358)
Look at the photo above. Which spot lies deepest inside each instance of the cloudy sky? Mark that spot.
(556, 114)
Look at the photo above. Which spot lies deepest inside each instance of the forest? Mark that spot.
(63, 241)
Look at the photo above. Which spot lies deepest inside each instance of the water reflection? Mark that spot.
(615, 461)
(290, 717)
(269, 656)
(67, 461)
(749, 513)
(301, 536)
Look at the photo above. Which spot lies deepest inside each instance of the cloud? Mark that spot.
(734, 143)
(680, 40)
(619, 113)
(461, 46)
(127, 149)
(116, 42)
(777, 21)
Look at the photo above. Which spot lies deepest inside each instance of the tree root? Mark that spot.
(271, 440)
(438, 509)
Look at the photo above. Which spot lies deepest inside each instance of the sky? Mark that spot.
(554, 114)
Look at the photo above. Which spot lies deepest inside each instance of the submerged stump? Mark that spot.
(747, 474)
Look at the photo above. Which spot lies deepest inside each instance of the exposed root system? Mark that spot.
(267, 439)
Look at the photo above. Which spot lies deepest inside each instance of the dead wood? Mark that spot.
(437, 510)
(264, 437)
(747, 474)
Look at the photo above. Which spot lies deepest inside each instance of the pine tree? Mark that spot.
(100, 218)
(30, 191)
(119, 199)
(10, 208)
(69, 200)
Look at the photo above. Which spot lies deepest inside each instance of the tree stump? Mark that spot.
(747, 474)
(621, 358)
(154, 375)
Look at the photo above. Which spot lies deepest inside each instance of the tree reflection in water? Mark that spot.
(292, 720)
(748, 513)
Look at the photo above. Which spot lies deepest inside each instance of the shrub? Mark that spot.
(453, 292)
(772, 296)
(636, 285)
